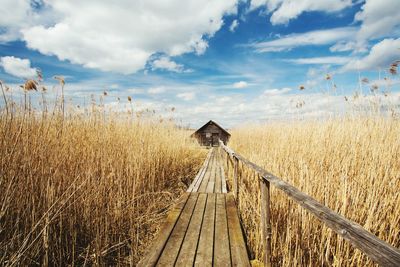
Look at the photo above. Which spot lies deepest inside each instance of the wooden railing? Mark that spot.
(378, 250)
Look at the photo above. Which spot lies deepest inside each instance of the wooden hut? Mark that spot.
(210, 133)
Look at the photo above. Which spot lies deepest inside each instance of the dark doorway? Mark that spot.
(215, 139)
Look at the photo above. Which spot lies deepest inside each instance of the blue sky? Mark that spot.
(232, 61)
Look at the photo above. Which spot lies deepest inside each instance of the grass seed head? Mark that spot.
(30, 85)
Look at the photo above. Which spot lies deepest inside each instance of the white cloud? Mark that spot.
(379, 18)
(18, 67)
(240, 85)
(187, 96)
(14, 13)
(381, 56)
(285, 10)
(157, 90)
(165, 63)
(20, 14)
(344, 46)
(321, 60)
(275, 92)
(319, 37)
(234, 25)
(122, 36)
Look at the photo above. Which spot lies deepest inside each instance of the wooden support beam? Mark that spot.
(266, 221)
(236, 179)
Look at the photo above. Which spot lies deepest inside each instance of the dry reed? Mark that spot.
(350, 165)
(87, 190)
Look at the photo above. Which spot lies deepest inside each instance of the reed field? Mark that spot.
(85, 186)
(87, 189)
(350, 165)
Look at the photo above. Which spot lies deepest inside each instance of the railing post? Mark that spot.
(266, 220)
(236, 179)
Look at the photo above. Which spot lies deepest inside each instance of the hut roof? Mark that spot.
(216, 124)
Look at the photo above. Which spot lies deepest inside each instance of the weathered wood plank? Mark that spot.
(237, 245)
(210, 187)
(223, 180)
(378, 250)
(151, 258)
(208, 174)
(188, 250)
(204, 255)
(218, 184)
(201, 173)
(238, 249)
(266, 221)
(211, 182)
(222, 254)
(218, 179)
(175, 240)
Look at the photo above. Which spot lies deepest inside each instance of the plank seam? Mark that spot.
(198, 183)
(201, 227)
(169, 235)
(200, 173)
(187, 227)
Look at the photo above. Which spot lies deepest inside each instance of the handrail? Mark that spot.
(378, 250)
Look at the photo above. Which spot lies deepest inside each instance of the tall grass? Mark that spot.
(86, 189)
(350, 165)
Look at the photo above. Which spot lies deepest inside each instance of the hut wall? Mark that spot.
(209, 135)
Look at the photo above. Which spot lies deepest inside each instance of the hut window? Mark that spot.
(208, 135)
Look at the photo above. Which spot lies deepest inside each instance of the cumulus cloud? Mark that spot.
(21, 14)
(381, 56)
(121, 37)
(378, 18)
(18, 67)
(187, 96)
(234, 25)
(320, 60)
(285, 10)
(240, 85)
(319, 37)
(165, 63)
(13, 14)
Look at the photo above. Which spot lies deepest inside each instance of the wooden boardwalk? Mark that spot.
(203, 229)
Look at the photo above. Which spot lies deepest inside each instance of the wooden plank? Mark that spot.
(266, 221)
(155, 250)
(217, 179)
(206, 172)
(223, 180)
(222, 254)
(173, 245)
(238, 249)
(210, 187)
(201, 172)
(188, 250)
(203, 185)
(208, 175)
(378, 250)
(204, 255)
(218, 183)
(211, 182)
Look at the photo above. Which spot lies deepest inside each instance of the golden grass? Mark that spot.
(87, 191)
(350, 165)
